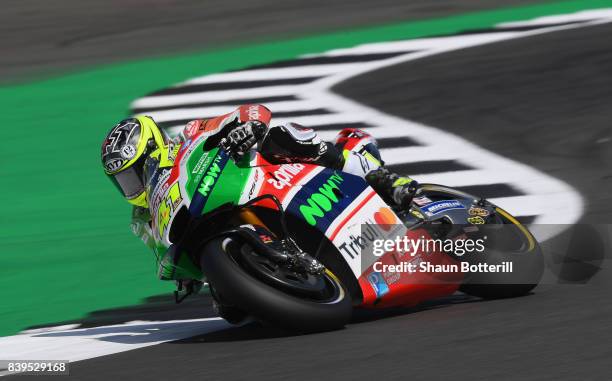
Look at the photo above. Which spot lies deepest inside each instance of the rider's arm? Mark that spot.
(141, 226)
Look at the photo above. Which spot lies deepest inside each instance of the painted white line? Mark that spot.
(420, 44)
(316, 120)
(86, 343)
(272, 73)
(529, 205)
(416, 154)
(212, 96)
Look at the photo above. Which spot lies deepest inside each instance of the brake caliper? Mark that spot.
(284, 251)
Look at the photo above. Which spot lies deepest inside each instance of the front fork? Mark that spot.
(189, 282)
(285, 250)
(265, 242)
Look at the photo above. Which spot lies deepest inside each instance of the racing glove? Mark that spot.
(140, 225)
(241, 138)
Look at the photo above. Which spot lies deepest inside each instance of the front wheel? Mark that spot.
(515, 244)
(272, 295)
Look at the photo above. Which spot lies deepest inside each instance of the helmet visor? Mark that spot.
(129, 181)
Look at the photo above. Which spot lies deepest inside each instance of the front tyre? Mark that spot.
(241, 288)
(514, 244)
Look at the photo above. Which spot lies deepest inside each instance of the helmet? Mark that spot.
(124, 151)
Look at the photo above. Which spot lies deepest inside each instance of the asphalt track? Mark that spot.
(543, 101)
(558, 333)
(49, 37)
(540, 100)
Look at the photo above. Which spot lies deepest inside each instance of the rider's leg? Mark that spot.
(390, 186)
(294, 143)
(362, 157)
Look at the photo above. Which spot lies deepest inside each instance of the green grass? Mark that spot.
(66, 245)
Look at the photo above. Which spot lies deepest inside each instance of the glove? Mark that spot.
(140, 226)
(240, 139)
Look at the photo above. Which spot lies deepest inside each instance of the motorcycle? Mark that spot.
(288, 244)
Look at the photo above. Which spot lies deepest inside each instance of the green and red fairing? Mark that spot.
(335, 203)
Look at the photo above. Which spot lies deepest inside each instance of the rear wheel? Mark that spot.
(272, 293)
(511, 242)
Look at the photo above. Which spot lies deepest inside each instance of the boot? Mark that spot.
(393, 188)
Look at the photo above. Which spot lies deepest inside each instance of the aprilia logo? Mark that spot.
(284, 175)
(253, 112)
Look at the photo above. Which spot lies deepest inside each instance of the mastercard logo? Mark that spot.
(385, 217)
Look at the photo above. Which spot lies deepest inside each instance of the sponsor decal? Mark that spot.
(173, 151)
(254, 185)
(185, 145)
(113, 165)
(210, 178)
(322, 149)
(421, 201)
(192, 128)
(323, 201)
(128, 151)
(354, 245)
(158, 185)
(365, 165)
(167, 207)
(302, 202)
(476, 220)
(377, 281)
(265, 238)
(441, 206)
(291, 159)
(372, 229)
(208, 182)
(284, 175)
(417, 214)
(201, 165)
(253, 112)
(385, 218)
(475, 211)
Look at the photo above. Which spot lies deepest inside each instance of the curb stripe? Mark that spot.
(423, 167)
(229, 103)
(325, 60)
(232, 85)
(491, 190)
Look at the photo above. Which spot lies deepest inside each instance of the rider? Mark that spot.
(132, 141)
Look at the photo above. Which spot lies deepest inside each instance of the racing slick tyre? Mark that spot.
(513, 243)
(285, 307)
(230, 313)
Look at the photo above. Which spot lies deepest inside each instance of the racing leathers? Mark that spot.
(354, 151)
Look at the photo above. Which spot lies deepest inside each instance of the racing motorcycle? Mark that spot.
(287, 244)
